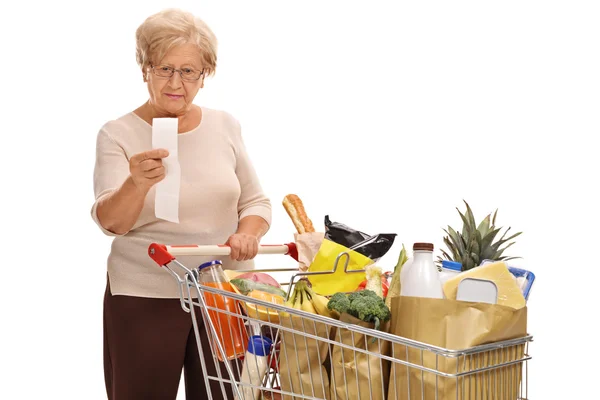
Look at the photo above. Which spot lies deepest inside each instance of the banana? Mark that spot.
(307, 304)
(298, 300)
(291, 303)
(320, 303)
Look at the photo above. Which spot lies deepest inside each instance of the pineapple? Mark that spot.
(476, 242)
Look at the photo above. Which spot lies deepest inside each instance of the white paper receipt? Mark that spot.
(164, 136)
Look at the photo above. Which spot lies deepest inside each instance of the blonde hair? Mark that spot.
(173, 27)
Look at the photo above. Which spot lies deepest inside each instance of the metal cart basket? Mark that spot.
(316, 357)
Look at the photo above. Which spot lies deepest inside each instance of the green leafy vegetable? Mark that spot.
(365, 305)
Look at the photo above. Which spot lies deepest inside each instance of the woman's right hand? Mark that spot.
(147, 168)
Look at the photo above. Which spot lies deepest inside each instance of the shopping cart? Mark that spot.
(316, 357)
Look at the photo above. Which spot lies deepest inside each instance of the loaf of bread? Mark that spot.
(295, 209)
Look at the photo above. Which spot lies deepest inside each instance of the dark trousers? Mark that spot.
(147, 343)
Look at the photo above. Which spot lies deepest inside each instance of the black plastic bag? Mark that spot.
(342, 234)
(374, 247)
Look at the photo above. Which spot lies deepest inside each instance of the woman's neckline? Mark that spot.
(202, 115)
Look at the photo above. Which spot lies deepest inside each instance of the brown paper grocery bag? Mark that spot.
(455, 325)
(308, 245)
(301, 358)
(356, 375)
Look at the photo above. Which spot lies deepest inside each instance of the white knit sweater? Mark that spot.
(219, 187)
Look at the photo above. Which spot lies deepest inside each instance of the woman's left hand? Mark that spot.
(243, 246)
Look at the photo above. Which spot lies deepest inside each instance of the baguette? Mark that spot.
(295, 209)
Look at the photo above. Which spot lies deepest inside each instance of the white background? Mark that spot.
(383, 115)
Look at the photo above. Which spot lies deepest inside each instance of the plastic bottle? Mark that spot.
(449, 270)
(231, 330)
(255, 366)
(422, 278)
(405, 269)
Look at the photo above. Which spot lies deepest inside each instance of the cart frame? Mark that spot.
(505, 362)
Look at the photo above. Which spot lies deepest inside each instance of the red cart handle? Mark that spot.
(163, 254)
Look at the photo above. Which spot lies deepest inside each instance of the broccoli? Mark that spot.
(365, 305)
(339, 302)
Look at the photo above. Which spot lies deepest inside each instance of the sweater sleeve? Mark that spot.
(110, 171)
(253, 200)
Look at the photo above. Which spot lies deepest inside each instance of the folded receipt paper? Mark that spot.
(164, 136)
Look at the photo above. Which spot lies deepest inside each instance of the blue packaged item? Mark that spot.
(452, 265)
(524, 279)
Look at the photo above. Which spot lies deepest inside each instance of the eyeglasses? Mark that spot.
(187, 74)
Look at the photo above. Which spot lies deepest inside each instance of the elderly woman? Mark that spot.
(148, 339)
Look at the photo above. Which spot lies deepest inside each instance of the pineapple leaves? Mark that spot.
(475, 242)
(502, 240)
(488, 253)
(484, 226)
(447, 257)
(458, 240)
(475, 249)
(466, 228)
(472, 223)
(499, 253)
(486, 243)
(453, 249)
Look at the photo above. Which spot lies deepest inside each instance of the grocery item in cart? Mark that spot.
(343, 234)
(477, 290)
(376, 281)
(333, 255)
(476, 241)
(259, 277)
(421, 278)
(295, 208)
(257, 311)
(354, 373)
(246, 286)
(375, 246)
(455, 325)
(449, 270)
(231, 331)
(306, 238)
(523, 277)
(365, 305)
(509, 293)
(308, 245)
(255, 366)
(351, 369)
(372, 246)
(302, 358)
(395, 284)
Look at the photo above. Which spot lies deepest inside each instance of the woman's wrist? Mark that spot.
(132, 187)
(253, 225)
